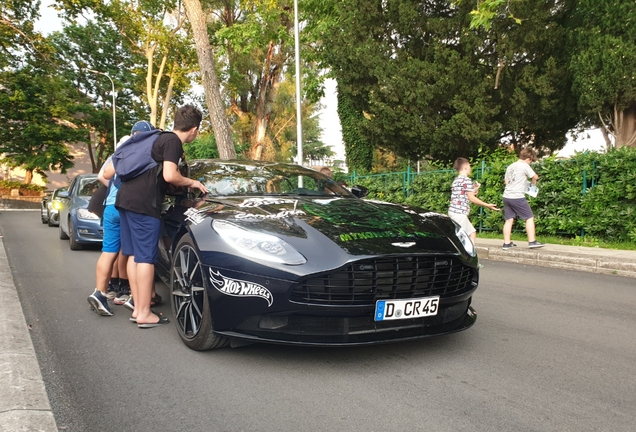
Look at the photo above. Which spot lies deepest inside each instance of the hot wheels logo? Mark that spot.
(239, 288)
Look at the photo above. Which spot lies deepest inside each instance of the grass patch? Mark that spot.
(587, 241)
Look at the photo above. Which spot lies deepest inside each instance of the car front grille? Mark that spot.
(364, 282)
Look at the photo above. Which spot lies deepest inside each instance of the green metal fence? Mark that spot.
(403, 183)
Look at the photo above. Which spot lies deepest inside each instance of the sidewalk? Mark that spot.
(24, 405)
(594, 260)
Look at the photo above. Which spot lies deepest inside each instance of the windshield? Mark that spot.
(254, 178)
(88, 186)
(57, 191)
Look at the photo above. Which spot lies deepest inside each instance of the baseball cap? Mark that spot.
(142, 126)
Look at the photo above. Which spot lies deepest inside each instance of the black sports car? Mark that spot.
(280, 253)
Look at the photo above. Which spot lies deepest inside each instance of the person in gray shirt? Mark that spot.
(515, 203)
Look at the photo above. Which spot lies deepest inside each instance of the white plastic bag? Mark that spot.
(532, 190)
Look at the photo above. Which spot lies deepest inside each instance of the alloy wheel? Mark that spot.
(188, 291)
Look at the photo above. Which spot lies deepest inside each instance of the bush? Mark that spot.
(590, 194)
(25, 189)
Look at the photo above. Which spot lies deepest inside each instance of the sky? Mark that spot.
(329, 121)
(49, 21)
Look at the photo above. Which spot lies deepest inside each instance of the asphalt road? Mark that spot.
(552, 350)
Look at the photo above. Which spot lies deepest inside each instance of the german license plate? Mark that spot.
(406, 309)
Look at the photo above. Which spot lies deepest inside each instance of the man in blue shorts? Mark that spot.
(515, 203)
(139, 202)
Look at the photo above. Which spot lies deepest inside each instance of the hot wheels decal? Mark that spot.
(239, 288)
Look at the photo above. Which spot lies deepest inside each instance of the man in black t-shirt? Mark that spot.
(139, 203)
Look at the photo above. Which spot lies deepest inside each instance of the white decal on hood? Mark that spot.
(427, 214)
(193, 215)
(239, 288)
(280, 215)
(257, 202)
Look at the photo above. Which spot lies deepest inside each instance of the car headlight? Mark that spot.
(57, 205)
(85, 214)
(258, 245)
(465, 239)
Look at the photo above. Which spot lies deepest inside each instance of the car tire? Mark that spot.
(189, 299)
(73, 244)
(63, 235)
(43, 220)
(51, 224)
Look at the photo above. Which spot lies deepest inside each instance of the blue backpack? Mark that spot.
(134, 156)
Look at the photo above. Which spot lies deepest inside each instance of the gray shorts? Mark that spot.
(463, 222)
(517, 207)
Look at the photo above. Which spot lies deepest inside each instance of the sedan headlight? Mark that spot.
(465, 239)
(85, 214)
(258, 245)
(57, 205)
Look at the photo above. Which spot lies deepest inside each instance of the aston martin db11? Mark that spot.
(280, 253)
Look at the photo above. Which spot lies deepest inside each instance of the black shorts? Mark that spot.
(517, 207)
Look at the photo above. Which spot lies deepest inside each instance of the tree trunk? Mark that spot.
(152, 89)
(626, 127)
(92, 142)
(210, 82)
(28, 177)
(606, 137)
(166, 101)
(267, 93)
(621, 125)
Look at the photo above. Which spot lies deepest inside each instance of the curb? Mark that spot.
(24, 404)
(568, 261)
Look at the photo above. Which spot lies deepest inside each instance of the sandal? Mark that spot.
(156, 300)
(162, 321)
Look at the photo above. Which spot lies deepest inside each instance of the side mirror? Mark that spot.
(359, 191)
(63, 194)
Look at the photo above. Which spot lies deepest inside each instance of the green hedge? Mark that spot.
(25, 189)
(590, 194)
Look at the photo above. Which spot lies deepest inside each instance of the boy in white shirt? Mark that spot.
(515, 203)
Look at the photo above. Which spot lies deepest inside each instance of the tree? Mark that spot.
(35, 111)
(17, 35)
(358, 150)
(532, 82)
(154, 30)
(430, 86)
(281, 135)
(603, 64)
(209, 79)
(98, 46)
(253, 43)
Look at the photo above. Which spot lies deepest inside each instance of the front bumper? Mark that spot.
(328, 331)
(88, 231)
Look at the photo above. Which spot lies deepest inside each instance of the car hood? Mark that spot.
(357, 227)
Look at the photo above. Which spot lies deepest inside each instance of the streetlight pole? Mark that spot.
(113, 93)
(299, 124)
